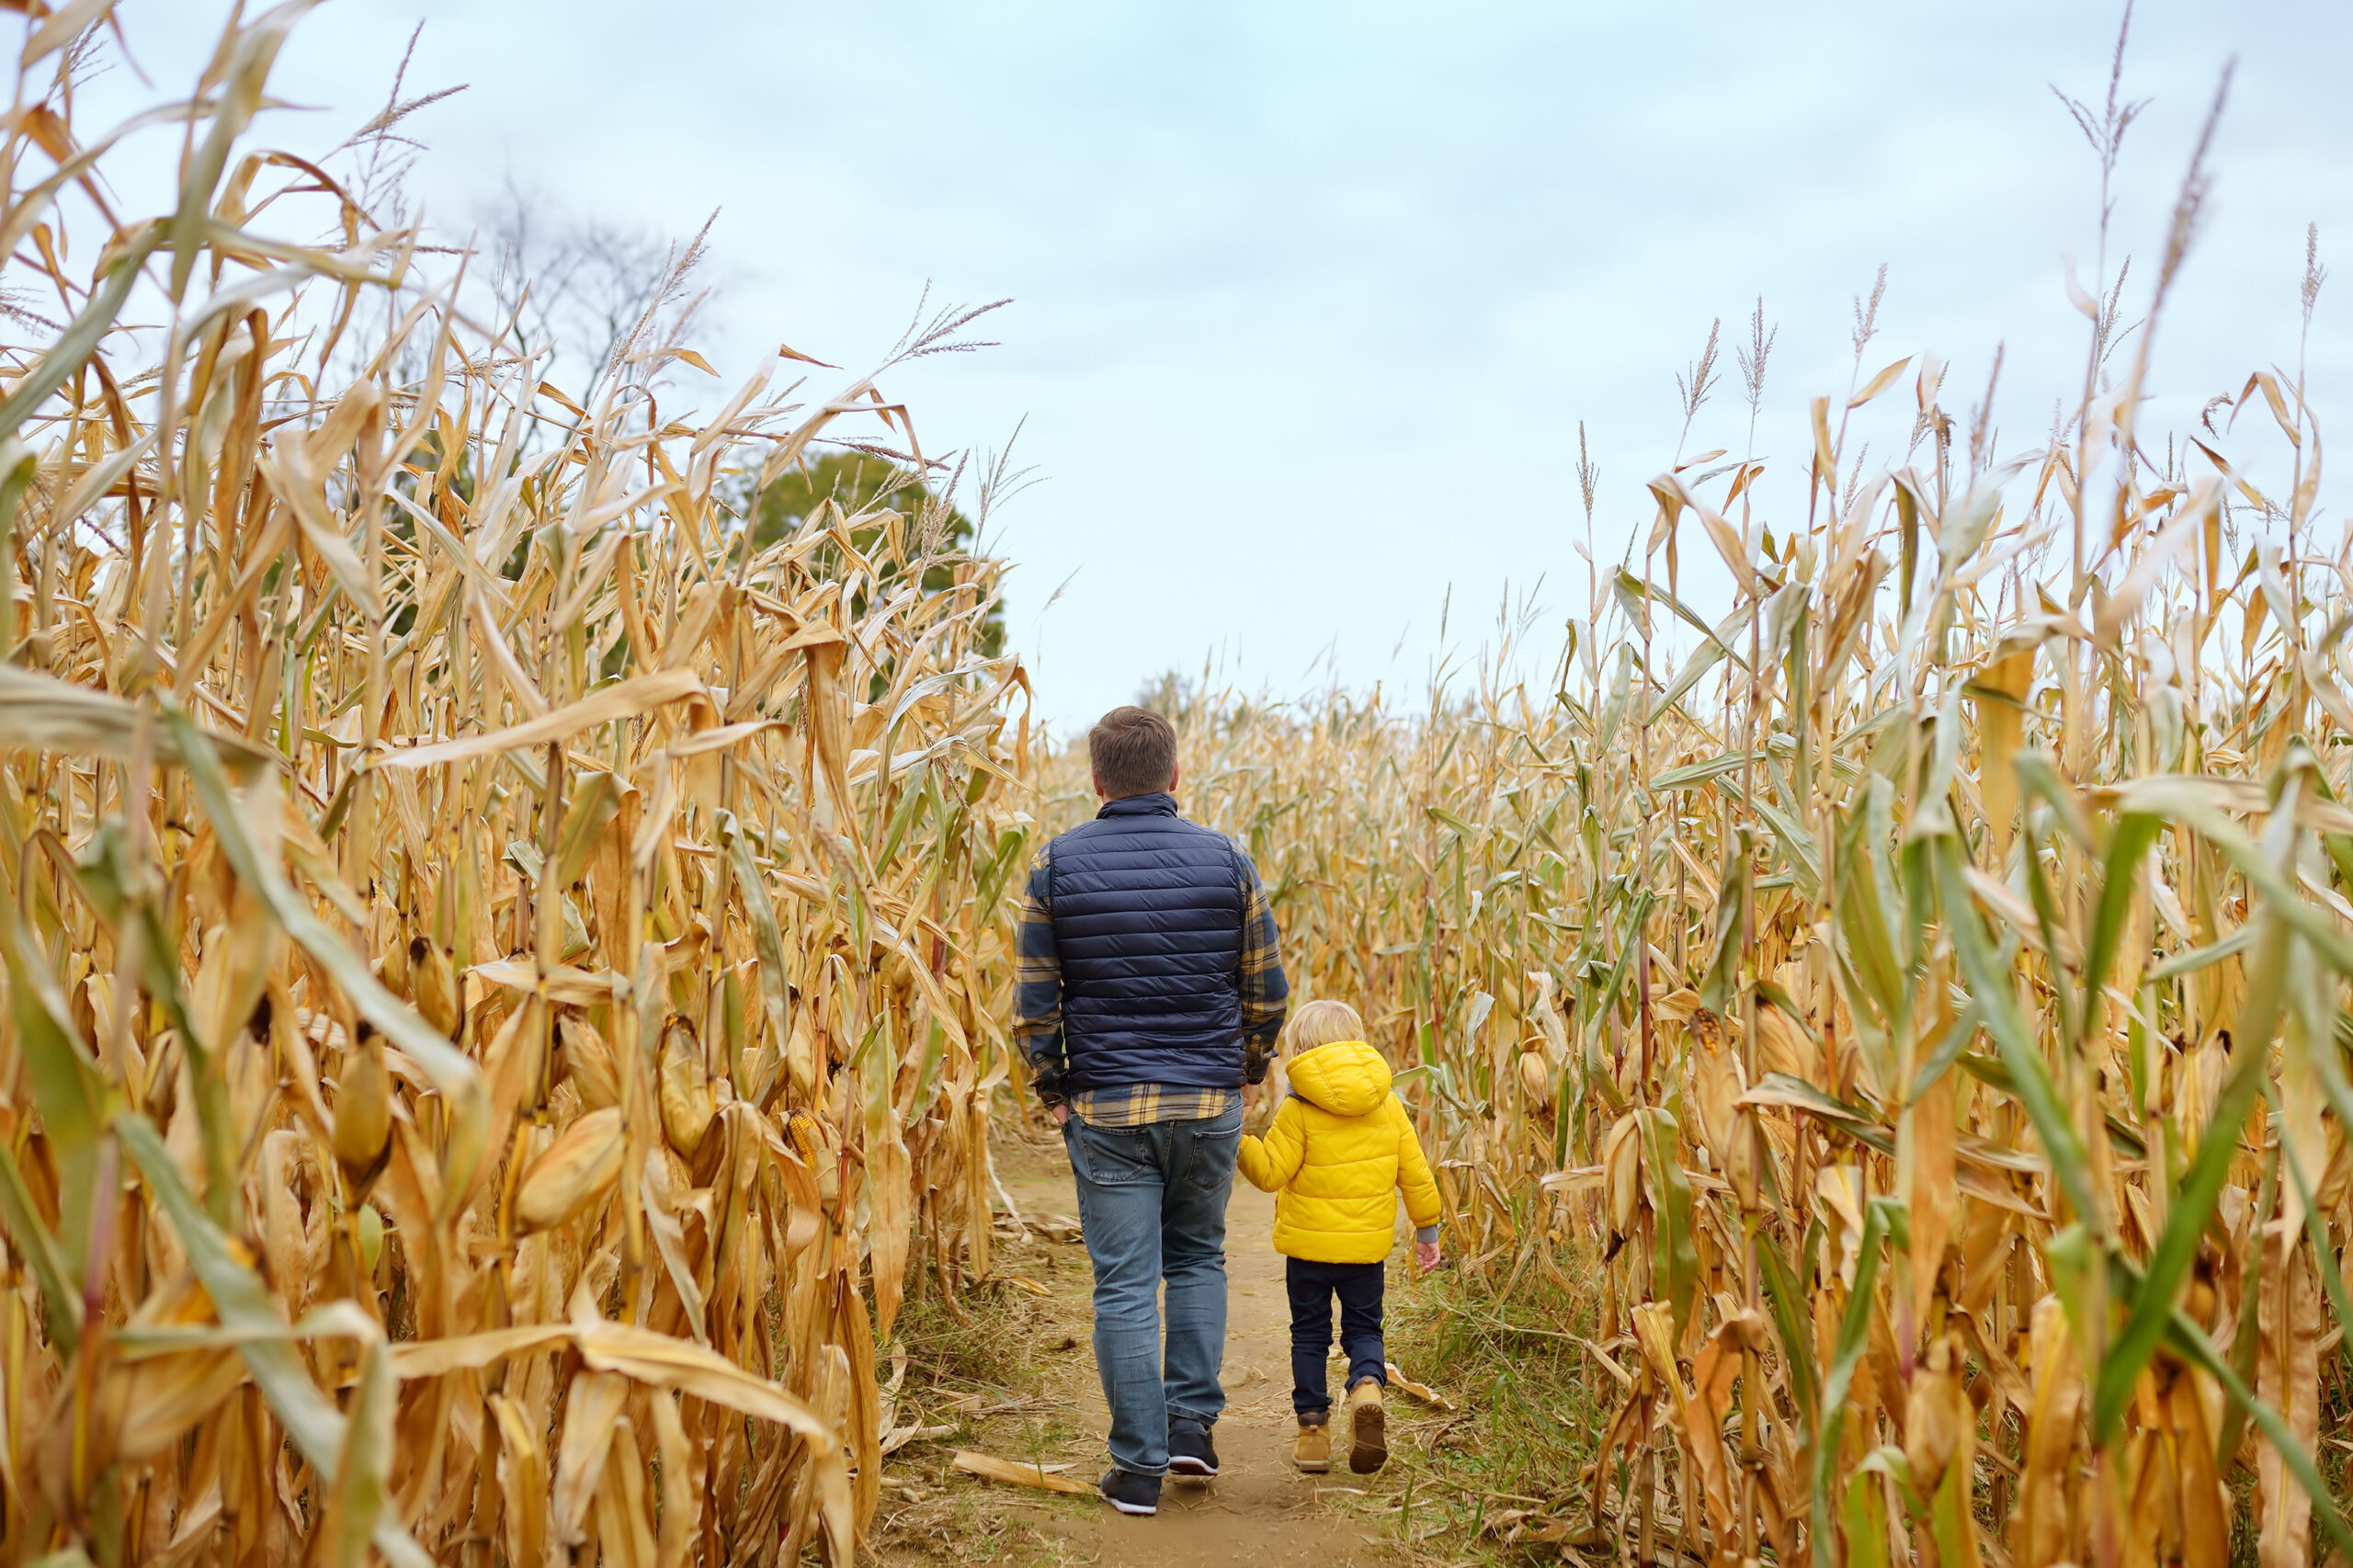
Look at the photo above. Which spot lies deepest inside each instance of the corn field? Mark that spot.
(502, 975)
(1914, 1000)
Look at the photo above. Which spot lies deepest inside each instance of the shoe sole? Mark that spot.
(1200, 1469)
(1369, 1450)
(1313, 1467)
(1141, 1509)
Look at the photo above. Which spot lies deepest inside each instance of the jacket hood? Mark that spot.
(1346, 1077)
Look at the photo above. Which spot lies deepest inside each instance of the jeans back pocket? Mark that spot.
(1113, 1156)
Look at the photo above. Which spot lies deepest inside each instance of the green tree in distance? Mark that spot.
(858, 482)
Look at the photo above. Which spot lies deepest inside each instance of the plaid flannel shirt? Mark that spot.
(1038, 1011)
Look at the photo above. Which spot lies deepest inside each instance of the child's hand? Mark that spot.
(1426, 1256)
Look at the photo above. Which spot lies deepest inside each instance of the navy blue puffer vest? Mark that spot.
(1148, 923)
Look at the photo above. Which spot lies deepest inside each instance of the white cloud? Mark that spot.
(1310, 299)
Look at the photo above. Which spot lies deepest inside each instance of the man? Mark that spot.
(1151, 993)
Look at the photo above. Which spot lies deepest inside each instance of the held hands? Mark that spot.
(1060, 1113)
(1426, 1256)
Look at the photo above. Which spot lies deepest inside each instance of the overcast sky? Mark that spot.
(1310, 299)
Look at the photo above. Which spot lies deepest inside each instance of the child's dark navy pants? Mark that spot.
(1313, 1286)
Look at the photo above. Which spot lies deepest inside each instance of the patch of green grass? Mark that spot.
(962, 1527)
(991, 1337)
(993, 1366)
(1528, 1406)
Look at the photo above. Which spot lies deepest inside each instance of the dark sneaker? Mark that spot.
(1130, 1493)
(1191, 1452)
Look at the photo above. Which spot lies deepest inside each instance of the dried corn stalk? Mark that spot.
(502, 974)
(1926, 983)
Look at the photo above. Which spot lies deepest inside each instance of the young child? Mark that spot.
(1338, 1151)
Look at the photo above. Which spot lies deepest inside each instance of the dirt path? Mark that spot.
(1259, 1509)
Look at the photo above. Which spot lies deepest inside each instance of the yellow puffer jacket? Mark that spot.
(1341, 1146)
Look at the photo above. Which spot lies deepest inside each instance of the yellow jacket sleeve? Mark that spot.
(1270, 1162)
(1414, 1177)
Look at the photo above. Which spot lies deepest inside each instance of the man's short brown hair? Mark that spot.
(1132, 751)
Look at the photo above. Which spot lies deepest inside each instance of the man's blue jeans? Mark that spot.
(1152, 1202)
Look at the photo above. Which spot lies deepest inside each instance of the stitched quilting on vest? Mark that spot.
(1148, 913)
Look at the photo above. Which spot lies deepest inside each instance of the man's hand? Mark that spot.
(1249, 1098)
(1426, 1256)
(1060, 1112)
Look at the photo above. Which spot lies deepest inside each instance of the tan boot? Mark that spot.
(1367, 1428)
(1312, 1451)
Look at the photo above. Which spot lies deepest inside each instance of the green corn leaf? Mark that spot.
(1791, 1311)
(1863, 1520)
(1797, 847)
(1908, 518)
(1949, 1514)
(2245, 1346)
(2328, 1066)
(1613, 706)
(67, 1086)
(1889, 1460)
(1949, 1045)
(1622, 973)
(317, 1429)
(1862, 919)
(1568, 1094)
(1677, 1253)
(1996, 992)
(2046, 918)
(2188, 1339)
(364, 1473)
(2316, 1231)
(1700, 773)
(18, 466)
(996, 877)
(595, 803)
(2184, 800)
(312, 1421)
(2201, 1188)
(1780, 1089)
(1705, 657)
(1723, 965)
(1629, 589)
(767, 938)
(1882, 1216)
(1799, 670)
(60, 1302)
(2127, 849)
(913, 795)
(2039, 779)
(2197, 958)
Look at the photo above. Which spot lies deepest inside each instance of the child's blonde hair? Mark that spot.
(1323, 1022)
